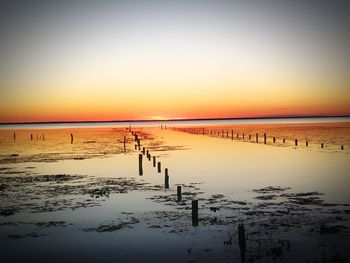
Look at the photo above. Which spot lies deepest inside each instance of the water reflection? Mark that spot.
(91, 202)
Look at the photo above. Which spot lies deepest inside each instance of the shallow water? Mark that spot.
(53, 206)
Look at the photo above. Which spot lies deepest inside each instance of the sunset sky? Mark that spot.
(115, 60)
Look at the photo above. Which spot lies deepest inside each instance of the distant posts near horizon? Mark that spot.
(250, 136)
(232, 134)
(166, 179)
(31, 136)
(274, 139)
(135, 146)
(306, 143)
(43, 137)
(140, 164)
(159, 167)
(242, 241)
(124, 143)
(243, 136)
(342, 147)
(71, 138)
(179, 195)
(296, 142)
(14, 136)
(194, 212)
(226, 134)
(322, 145)
(222, 133)
(264, 138)
(257, 138)
(154, 161)
(284, 140)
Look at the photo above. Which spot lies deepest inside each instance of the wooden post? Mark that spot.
(179, 197)
(194, 212)
(43, 137)
(71, 138)
(274, 139)
(31, 136)
(322, 145)
(226, 134)
(243, 136)
(242, 241)
(14, 136)
(257, 138)
(306, 143)
(147, 152)
(264, 138)
(154, 161)
(237, 135)
(222, 133)
(284, 140)
(232, 134)
(143, 150)
(250, 136)
(166, 179)
(124, 143)
(159, 167)
(296, 142)
(342, 147)
(135, 146)
(140, 164)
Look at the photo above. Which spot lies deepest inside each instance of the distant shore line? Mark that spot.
(180, 120)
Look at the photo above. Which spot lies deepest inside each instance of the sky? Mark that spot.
(129, 60)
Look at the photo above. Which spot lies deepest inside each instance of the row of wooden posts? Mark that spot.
(204, 132)
(42, 137)
(194, 203)
(166, 175)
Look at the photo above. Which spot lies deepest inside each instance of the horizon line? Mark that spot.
(179, 119)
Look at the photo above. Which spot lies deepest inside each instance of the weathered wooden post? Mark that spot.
(143, 150)
(250, 136)
(135, 146)
(242, 241)
(194, 212)
(342, 147)
(306, 143)
(140, 164)
(322, 145)
(31, 136)
(296, 142)
(154, 161)
(237, 135)
(14, 136)
(257, 138)
(71, 138)
(284, 140)
(159, 167)
(274, 139)
(264, 138)
(166, 179)
(243, 136)
(222, 133)
(43, 137)
(232, 134)
(124, 143)
(226, 134)
(147, 152)
(179, 197)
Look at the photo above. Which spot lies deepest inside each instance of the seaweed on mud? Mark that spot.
(113, 227)
(271, 189)
(104, 191)
(19, 236)
(266, 197)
